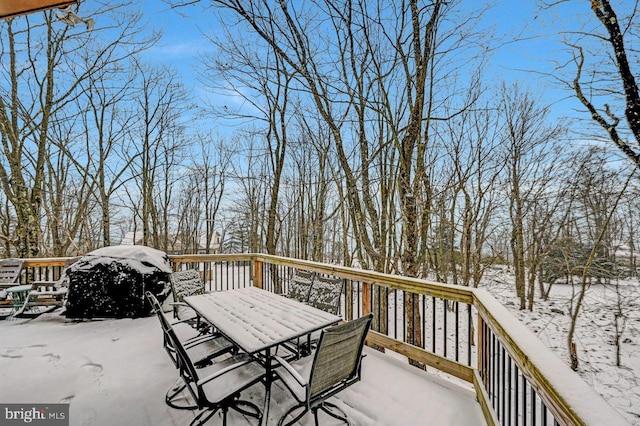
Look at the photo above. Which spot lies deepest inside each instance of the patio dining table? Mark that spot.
(257, 321)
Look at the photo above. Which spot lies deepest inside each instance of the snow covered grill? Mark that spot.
(111, 282)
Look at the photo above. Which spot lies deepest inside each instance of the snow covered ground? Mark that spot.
(115, 372)
(595, 334)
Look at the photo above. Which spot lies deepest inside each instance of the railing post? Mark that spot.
(366, 298)
(257, 274)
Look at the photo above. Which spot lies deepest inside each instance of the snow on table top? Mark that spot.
(256, 319)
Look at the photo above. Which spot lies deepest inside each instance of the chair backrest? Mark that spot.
(183, 362)
(336, 363)
(166, 326)
(300, 285)
(186, 283)
(157, 309)
(10, 270)
(325, 293)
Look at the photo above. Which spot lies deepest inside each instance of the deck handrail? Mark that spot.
(571, 400)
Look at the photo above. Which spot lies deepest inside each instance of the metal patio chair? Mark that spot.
(300, 285)
(183, 284)
(217, 387)
(335, 366)
(325, 293)
(299, 289)
(10, 271)
(46, 296)
(202, 348)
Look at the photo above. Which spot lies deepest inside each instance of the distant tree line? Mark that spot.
(366, 135)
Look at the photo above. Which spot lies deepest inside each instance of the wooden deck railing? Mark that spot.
(461, 331)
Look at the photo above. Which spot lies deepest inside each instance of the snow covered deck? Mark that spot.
(115, 372)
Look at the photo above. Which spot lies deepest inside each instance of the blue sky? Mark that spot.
(536, 49)
(182, 40)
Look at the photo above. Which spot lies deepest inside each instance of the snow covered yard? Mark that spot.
(595, 334)
(115, 372)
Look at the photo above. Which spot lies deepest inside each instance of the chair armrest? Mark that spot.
(184, 320)
(244, 361)
(292, 372)
(197, 340)
(58, 292)
(176, 305)
(44, 282)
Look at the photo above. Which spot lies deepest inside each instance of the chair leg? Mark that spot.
(254, 412)
(315, 416)
(174, 391)
(296, 418)
(334, 411)
(225, 410)
(206, 414)
(201, 419)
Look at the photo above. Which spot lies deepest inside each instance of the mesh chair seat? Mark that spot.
(182, 311)
(303, 367)
(202, 347)
(227, 384)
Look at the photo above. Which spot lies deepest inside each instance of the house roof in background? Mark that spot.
(133, 238)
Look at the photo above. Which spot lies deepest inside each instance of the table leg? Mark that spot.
(267, 387)
(308, 348)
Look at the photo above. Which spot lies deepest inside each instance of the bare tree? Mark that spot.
(106, 123)
(471, 171)
(45, 63)
(608, 212)
(603, 78)
(67, 197)
(320, 209)
(250, 189)
(213, 169)
(188, 211)
(200, 188)
(159, 132)
(528, 143)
